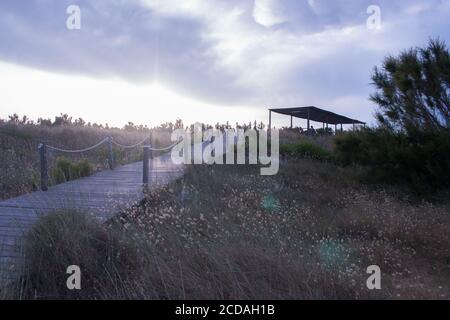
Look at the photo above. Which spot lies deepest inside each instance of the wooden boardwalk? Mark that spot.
(103, 195)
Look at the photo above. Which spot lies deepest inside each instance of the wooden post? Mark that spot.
(145, 166)
(292, 123)
(335, 129)
(342, 129)
(150, 141)
(111, 153)
(44, 167)
(150, 156)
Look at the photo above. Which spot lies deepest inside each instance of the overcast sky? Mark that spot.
(208, 60)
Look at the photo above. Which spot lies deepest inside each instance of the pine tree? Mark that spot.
(413, 89)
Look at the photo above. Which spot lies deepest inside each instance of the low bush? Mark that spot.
(306, 150)
(67, 170)
(325, 131)
(417, 159)
(84, 168)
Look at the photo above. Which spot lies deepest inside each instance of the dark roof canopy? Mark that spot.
(316, 114)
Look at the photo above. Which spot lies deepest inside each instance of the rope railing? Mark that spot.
(80, 150)
(166, 148)
(129, 147)
(148, 153)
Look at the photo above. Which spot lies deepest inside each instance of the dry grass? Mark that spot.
(227, 233)
(19, 159)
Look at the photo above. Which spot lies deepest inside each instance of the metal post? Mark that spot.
(145, 166)
(270, 121)
(111, 153)
(308, 125)
(269, 130)
(44, 168)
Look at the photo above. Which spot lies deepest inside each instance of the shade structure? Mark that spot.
(317, 115)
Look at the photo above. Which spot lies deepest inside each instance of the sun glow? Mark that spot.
(37, 94)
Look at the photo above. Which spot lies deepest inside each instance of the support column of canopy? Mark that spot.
(270, 120)
(308, 123)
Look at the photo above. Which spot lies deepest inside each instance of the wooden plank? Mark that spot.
(103, 194)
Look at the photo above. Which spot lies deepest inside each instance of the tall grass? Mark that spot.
(225, 232)
(19, 159)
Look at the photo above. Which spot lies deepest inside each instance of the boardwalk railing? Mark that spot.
(148, 154)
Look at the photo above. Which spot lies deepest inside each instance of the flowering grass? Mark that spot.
(225, 232)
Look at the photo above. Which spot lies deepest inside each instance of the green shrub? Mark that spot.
(305, 149)
(84, 168)
(63, 170)
(67, 170)
(58, 176)
(419, 159)
(325, 131)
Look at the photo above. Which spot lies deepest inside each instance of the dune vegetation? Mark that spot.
(227, 233)
(339, 204)
(20, 138)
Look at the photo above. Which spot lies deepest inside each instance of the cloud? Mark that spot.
(417, 8)
(265, 13)
(234, 52)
